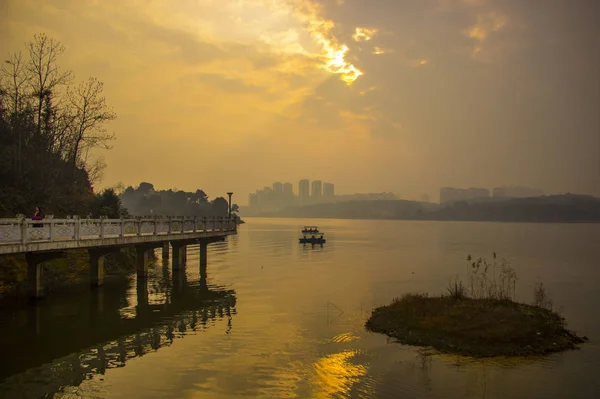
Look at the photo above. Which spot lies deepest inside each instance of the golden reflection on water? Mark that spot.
(334, 374)
(345, 337)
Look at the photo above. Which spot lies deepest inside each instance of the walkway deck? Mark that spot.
(28, 236)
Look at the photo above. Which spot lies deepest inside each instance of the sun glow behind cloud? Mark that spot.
(292, 27)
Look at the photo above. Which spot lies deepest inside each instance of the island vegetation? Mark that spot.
(479, 318)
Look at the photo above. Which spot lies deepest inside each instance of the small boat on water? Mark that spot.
(309, 236)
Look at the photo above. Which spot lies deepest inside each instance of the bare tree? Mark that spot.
(90, 115)
(95, 169)
(14, 78)
(46, 76)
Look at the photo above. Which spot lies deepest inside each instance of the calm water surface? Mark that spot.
(274, 319)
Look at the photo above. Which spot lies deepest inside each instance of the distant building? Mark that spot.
(316, 192)
(328, 192)
(288, 189)
(450, 194)
(303, 191)
(424, 197)
(516, 192)
(253, 200)
(277, 188)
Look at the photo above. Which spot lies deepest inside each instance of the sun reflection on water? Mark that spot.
(335, 374)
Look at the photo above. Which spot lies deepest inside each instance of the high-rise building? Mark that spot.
(328, 192)
(253, 200)
(303, 193)
(277, 188)
(288, 189)
(316, 191)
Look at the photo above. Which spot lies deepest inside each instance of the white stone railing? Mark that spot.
(49, 230)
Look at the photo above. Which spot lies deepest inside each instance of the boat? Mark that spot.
(313, 240)
(309, 236)
(310, 229)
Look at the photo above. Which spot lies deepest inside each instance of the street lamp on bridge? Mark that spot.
(229, 194)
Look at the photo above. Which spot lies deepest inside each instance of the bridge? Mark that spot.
(43, 240)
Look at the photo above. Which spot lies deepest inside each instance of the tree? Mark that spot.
(145, 188)
(45, 77)
(220, 206)
(90, 113)
(47, 133)
(109, 204)
(201, 197)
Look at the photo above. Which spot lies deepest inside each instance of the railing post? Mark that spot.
(203, 223)
(76, 228)
(195, 223)
(122, 228)
(138, 226)
(155, 226)
(51, 232)
(24, 231)
(213, 223)
(170, 225)
(182, 224)
(101, 227)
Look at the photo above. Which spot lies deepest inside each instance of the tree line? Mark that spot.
(49, 127)
(145, 201)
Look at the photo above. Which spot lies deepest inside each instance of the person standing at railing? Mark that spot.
(37, 215)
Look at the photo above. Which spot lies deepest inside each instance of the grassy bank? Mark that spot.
(479, 319)
(59, 273)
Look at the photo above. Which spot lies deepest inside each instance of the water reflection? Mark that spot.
(335, 374)
(63, 341)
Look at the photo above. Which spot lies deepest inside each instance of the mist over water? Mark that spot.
(275, 319)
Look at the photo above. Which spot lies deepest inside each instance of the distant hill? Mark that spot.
(556, 208)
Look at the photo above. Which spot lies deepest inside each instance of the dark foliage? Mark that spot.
(45, 137)
(145, 200)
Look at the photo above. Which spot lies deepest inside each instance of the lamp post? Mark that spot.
(229, 194)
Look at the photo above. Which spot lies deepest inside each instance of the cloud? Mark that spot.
(333, 53)
(363, 34)
(487, 24)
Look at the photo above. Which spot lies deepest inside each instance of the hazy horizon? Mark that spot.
(233, 95)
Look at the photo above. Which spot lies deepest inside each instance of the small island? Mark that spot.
(478, 320)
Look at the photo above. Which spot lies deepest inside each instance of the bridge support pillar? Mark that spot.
(165, 250)
(96, 268)
(179, 256)
(203, 254)
(142, 258)
(35, 271)
(35, 274)
(142, 293)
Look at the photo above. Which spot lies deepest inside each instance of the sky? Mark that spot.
(404, 96)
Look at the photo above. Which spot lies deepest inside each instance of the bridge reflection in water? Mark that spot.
(57, 344)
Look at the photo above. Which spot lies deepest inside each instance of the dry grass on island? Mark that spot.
(480, 319)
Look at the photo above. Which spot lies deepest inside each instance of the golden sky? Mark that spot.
(373, 95)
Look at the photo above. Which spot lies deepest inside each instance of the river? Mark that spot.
(276, 319)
